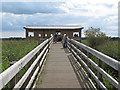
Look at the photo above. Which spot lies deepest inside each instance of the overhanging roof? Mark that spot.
(54, 27)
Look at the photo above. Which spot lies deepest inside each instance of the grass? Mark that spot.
(110, 48)
(40, 79)
(14, 50)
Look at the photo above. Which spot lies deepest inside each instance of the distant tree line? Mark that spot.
(110, 38)
(14, 38)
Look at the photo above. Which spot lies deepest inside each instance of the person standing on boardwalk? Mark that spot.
(65, 41)
(55, 37)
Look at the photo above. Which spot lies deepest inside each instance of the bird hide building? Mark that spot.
(44, 32)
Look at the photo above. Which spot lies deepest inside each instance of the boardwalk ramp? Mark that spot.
(58, 72)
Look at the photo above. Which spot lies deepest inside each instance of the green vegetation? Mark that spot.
(95, 37)
(14, 50)
(99, 41)
(0, 55)
(40, 79)
(110, 48)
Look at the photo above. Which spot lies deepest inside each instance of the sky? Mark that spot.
(15, 14)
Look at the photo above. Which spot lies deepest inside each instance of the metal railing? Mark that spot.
(10, 75)
(77, 50)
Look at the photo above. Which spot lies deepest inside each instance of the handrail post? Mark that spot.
(99, 74)
(36, 55)
(49, 46)
(70, 44)
(14, 80)
(89, 65)
(49, 42)
(119, 75)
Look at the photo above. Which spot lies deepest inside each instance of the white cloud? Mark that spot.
(111, 19)
(94, 8)
(32, 0)
(10, 23)
(63, 7)
(94, 1)
(97, 13)
(115, 28)
(42, 19)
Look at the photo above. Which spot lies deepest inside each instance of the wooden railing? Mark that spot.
(11, 74)
(77, 50)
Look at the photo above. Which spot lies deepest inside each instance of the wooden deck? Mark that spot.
(58, 71)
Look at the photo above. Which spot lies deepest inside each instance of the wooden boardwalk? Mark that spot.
(62, 69)
(58, 72)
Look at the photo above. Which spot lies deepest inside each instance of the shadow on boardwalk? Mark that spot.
(58, 71)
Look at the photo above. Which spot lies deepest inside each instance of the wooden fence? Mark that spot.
(77, 50)
(12, 73)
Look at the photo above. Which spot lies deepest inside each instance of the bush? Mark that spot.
(95, 37)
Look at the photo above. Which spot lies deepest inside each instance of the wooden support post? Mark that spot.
(39, 41)
(80, 35)
(99, 74)
(14, 80)
(38, 61)
(119, 54)
(89, 65)
(36, 55)
(70, 44)
(119, 75)
(49, 46)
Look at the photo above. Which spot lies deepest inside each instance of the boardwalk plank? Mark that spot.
(58, 70)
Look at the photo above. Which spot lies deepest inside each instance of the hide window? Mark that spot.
(40, 35)
(75, 34)
(30, 34)
(45, 35)
(51, 34)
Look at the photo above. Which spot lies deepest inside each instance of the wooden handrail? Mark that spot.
(9, 73)
(73, 46)
(36, 71)
(108, 60)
